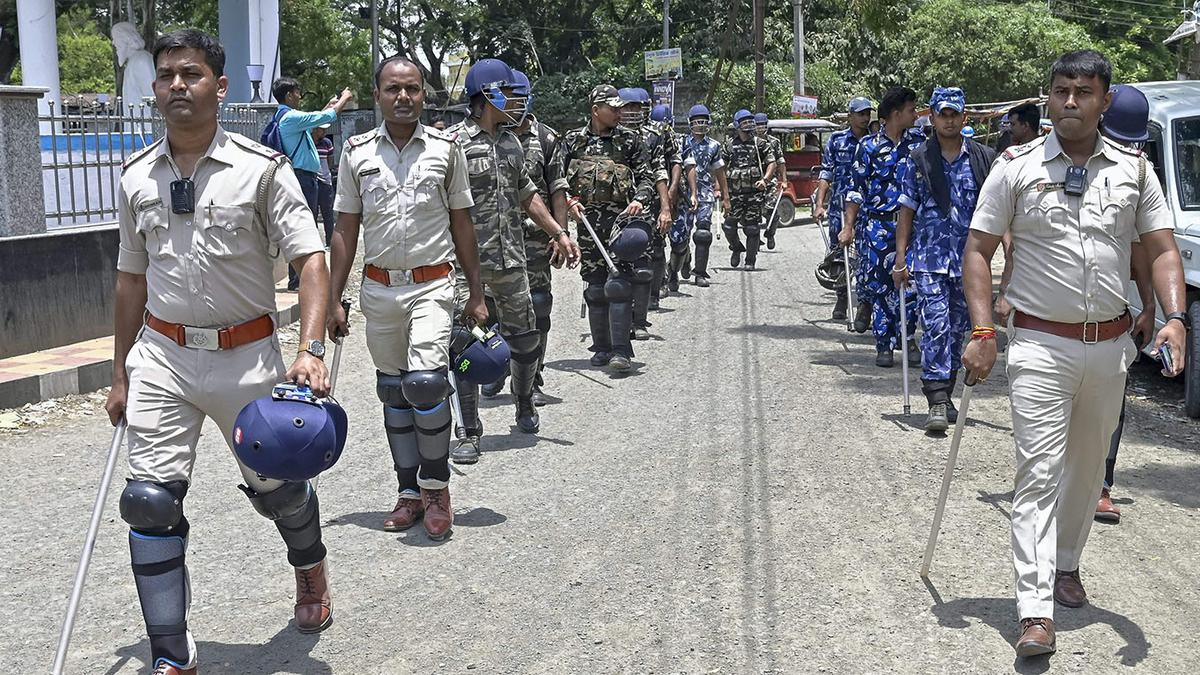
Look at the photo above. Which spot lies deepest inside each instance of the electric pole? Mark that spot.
(666, 24)
(759, 56)
(798, 21)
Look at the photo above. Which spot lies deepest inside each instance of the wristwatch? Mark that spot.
(314, 347)
(1182, 316)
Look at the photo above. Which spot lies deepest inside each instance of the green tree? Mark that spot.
(324, 51)
(995, 52)
(81, 47)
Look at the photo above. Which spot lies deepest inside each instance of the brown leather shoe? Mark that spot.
(164, 668)
(1106, 511)
(1068, 589)
(314, 610)
(438, 515)
(406, 514)
(1037, 637)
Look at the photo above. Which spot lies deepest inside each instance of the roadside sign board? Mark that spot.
(664, 64)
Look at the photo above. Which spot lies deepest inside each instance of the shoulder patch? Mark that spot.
(362, 139)
(144, 152)
(254, 147)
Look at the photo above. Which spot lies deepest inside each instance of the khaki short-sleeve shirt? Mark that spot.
(1070, 254)
(404, 195)
(212, 267)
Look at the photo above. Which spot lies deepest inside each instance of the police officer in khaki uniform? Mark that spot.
(1074, 203)
(201, 213)
(406, 186)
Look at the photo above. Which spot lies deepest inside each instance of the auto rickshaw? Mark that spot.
(802, 157)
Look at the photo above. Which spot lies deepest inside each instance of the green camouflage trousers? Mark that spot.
(592, 267)
(508, 289)
(537, 255)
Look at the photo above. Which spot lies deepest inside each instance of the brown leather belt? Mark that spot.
(1089, 332)
(417, 275)
(214, 338)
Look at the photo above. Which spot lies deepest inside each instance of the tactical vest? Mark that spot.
(599, 179)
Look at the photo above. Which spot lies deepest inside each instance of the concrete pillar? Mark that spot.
(21, 157)
(38, 33)
(249, 31)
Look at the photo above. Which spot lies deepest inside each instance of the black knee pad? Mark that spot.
(643, 275)
(425, 389)
(155, 508)
(752, 231)
(594, 294)
(390, 390)
(702, 237)
(285, 501)
(618, 289)
(523, 346)
(543, 302)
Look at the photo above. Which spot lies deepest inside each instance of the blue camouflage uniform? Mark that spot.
(837, 169)
(934, 261)
(876, 190)
(705, 154)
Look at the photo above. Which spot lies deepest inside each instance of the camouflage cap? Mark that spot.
(607, 94)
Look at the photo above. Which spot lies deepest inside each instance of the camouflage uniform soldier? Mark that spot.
(778, 183)
(538, 141)
(501, 188)
(633, 115)
(607, 168)
(750, 163)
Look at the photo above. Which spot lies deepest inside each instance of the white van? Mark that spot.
(1174, 147)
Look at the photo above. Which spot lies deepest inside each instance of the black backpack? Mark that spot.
(272, 138)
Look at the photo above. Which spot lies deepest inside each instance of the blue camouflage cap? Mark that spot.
(948, 97)
(861, 103)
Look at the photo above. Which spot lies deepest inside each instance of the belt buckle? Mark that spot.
(202, 338)
(399, 277)
(1095, 332)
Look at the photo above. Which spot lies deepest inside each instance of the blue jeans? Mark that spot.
(308, 184)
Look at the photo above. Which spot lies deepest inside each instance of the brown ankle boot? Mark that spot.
(438, 514)
(164, 668)
(1037, 637)
(314, 609)
(406, 514)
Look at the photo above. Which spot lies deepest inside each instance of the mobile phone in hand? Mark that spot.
(1167, 359)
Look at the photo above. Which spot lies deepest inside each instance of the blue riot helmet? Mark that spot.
(1128, 117)
(699, 119)
(633, 113)
(478, 356)
(661, 113)
(290, 434)
(633, 239)
(743, 120)
(522, 87)
(490, 78)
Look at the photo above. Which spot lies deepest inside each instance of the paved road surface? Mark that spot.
(750, 500)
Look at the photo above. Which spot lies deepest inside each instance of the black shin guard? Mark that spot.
(296, 511)
(402, 441)
(598, 310)
(524, 348)
(160, 574)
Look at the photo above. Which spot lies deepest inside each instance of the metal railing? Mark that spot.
(84, 147)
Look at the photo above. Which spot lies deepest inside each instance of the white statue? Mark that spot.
(136, 63)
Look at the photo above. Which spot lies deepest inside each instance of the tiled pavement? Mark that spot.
(81, 367)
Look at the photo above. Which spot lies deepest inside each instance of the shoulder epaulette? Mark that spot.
(1123, 148)
(449, 135)
(1018, 150)
(362, 139)
(255, 147)
(141, 153)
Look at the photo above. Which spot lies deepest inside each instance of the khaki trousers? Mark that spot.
(1066, 397)
(172, 389)
(408, 327)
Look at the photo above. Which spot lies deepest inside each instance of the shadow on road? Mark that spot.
(286, 651)
(1000, 614)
